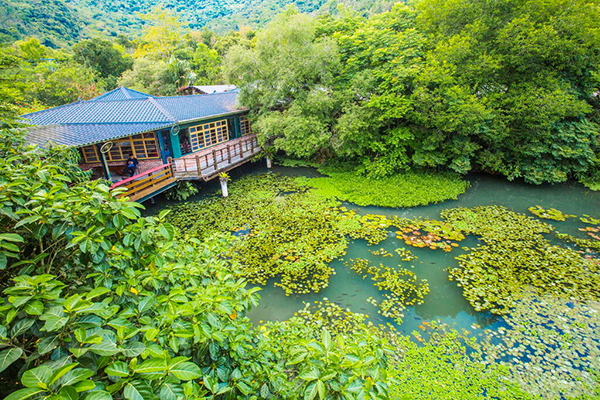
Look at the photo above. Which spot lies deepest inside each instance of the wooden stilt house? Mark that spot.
(173, 138)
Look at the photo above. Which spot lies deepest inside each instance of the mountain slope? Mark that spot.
(57, 22)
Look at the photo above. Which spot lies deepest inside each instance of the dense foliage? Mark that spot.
(57, 23)
(406, 189)
(435, 84)
(99, 303)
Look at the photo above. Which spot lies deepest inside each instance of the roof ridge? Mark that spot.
(194, 95)
(161, 109)
(125, 93)
(52, 108)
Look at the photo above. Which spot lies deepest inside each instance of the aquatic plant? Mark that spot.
(182, 191)
(381, 252)
(447, 364)
(407, 189)
(550, 213)
(405, 254)
(284, 230)
(495, 223)
(494, 276)
(587, 219)
(326, 314)
(592, 231)
(586, 244)
(427, 233)
(516, 257)
(550, 346)
(402, 287)
(372, 228)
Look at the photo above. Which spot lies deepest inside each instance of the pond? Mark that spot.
(445, 301)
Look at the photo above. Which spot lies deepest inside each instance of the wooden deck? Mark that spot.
(147, 184)
(208, 163)
(205, 164)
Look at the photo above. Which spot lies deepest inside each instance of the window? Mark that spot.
(90, 154)
(245, 126)
(143, 146)
(205, 135)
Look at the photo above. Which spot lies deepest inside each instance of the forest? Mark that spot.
(391, 109)
(416, 87)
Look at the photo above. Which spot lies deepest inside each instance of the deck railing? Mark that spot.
(147, 183)
(208, 163)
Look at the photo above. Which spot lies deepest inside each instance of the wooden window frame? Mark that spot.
(245, 128)
(142, 141)
(208, 134)
(85, 154)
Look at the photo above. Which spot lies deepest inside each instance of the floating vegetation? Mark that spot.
(372, 228)
(516, 257)
(381, 252)
(285, 231)
(550, 213)
(408, 189)
(592, 231)
(586, 244)
(428, 233)
(402, 287)
(495, 223)
(334, 317)
(586, 219)
(551, 346)
(405, 254)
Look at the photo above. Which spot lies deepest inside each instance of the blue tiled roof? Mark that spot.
(122, 112)
(83, 134)
(121, 93)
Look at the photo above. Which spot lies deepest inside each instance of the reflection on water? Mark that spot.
(445, 301)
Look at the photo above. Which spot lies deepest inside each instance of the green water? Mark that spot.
(445, 301)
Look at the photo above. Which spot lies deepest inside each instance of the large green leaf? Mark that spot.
(48, 344)
(54, 323)
(37, 377)
(186, 371)
(74, 376)
(23, 394)
(170, 391)
(152, 368)
(98, 395)
(36, 307)
(61, 372)
(9, 356)
(21, 327)
(137, 390)
(117, 368)
(309, 375)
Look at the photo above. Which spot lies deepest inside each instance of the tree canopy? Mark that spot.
(505, 87)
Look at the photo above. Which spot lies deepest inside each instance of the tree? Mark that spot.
(104, 58)
(161, 36)
(287, 79)
(149, 76)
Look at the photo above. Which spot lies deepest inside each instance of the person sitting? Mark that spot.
(131, 165)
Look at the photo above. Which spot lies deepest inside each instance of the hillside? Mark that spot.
(57, 22)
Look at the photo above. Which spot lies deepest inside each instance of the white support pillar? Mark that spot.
(268, 162)
(224, 187)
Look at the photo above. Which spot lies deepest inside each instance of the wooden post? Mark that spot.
(228, 155)
(214, 154)
(251, 146)
(241, 150)
(199, 166)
